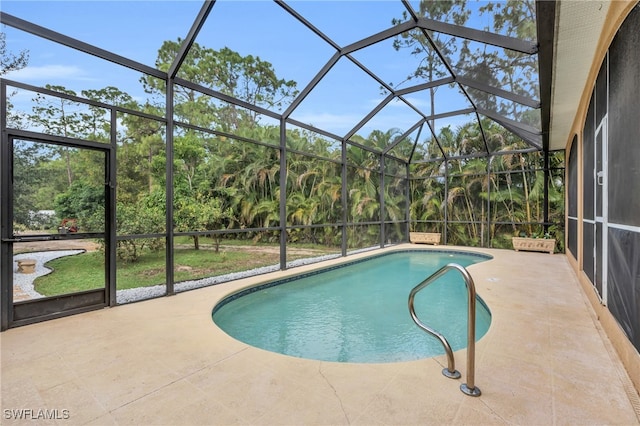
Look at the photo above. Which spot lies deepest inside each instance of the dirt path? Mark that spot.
(90, 245)
(257, 249)
(31, 246)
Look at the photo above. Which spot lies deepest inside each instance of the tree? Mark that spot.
(431, 65)
(9, 61)
(147, 216)
(190, 154)
(59, 116)
(83, 202)
(198, 213)
(247, 78)
(143, 148)
(98, 120)
(30, 172)
(505, 69)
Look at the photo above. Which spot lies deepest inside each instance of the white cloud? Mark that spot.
(48, 72)
(416, 102)
(335, 123)
(340, 124)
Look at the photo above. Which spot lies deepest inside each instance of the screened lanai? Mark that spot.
(182, 142)
(150, 148)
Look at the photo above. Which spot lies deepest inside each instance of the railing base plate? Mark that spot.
(455, 374)
(475, 391)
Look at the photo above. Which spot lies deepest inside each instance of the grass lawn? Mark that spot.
(86, 271)
(72, 273)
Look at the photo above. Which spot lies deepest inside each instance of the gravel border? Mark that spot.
(141, 293)
(25, 281)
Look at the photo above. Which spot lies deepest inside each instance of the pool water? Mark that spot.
(359, 312)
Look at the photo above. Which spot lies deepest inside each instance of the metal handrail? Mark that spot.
(468, 388)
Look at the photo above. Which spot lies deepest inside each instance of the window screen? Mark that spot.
(588, 164)
(624, 124)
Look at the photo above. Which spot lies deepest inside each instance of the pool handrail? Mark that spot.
(468, 388)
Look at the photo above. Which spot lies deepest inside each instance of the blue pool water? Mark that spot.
(357, 312)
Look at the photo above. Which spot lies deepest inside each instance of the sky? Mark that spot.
(136, 30)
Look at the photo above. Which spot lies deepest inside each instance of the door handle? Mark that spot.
(600, 177)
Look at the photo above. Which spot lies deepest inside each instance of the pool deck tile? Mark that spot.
(544, 361)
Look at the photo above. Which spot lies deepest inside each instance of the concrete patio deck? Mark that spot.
(544, 361)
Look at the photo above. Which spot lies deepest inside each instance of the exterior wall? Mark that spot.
(623, 254)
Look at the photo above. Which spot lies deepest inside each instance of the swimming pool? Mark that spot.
(357, 312)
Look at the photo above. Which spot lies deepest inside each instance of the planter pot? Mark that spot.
(424, 237)
(26, 266)
(534, 244)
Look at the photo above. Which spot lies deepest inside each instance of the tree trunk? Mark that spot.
(526, 194)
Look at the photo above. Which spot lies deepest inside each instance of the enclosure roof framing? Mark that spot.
(485, 37)
(476, 94)
(190, 39)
